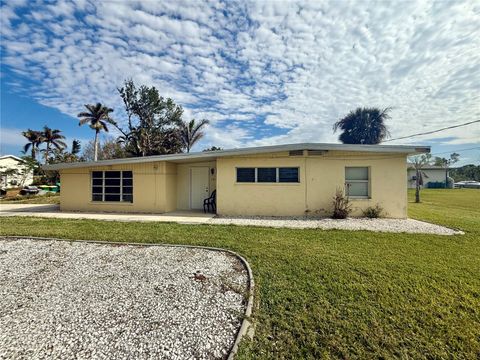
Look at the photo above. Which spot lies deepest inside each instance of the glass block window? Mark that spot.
(357, 182)
(112, 186)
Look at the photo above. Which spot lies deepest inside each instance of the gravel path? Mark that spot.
(71, 300)
(383, 225)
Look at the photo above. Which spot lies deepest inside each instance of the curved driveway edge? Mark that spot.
(246, 328)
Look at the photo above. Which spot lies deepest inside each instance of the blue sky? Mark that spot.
(269, 72)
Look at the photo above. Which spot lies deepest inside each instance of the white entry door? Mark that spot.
(199, 186)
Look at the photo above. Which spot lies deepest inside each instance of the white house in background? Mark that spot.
(13, 172)
(430, 174)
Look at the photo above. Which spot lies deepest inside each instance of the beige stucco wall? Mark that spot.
(319, 178)
(161, 187)
(154, 189)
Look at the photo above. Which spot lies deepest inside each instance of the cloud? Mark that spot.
(262, 72)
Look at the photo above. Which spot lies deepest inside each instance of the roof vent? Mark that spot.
(295, 153)
(316, 152)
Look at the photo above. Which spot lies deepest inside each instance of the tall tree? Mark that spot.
(98, 116)
(363, 126)
(446, 163)
(52, 137)
(35, 139)
(419, 162)
(76, 147)
(191, 132)
(107, 149)
(153, 122)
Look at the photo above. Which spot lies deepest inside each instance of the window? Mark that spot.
(245, 174)
(112, 186)
(357, 182)
(268, 175)
(288, 175)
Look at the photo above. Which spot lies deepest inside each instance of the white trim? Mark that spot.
(212, 155)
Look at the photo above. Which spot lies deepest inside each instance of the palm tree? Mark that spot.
(363, 126)
(76, 147)
(52, 137)
(35, 139)
(98, 116)
(191, 132)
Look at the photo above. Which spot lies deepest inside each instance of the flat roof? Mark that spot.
(212, 155)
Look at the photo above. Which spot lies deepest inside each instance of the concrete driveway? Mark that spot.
(53, 211)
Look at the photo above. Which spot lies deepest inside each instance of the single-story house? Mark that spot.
(432, 176)
(284, 180)
(14, 173)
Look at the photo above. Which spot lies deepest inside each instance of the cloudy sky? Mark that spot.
(265, 72)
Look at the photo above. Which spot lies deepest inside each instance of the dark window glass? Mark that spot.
(112, 182)
(109, 197)
(267, 174)
(288, 175)
(112, 190)
(108, 186)
(112, 174)
(127, 197)
(245, 174)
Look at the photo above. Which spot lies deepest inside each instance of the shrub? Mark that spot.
(341, 205)
(373, 212)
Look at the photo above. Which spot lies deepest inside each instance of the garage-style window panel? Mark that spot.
(357, 182)
(268, 175)
(112, 186)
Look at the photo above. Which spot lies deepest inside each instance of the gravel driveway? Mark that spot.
(70, 300)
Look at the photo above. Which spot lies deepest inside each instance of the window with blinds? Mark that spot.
(112, 186)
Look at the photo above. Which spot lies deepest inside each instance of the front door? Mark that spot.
(199, 186)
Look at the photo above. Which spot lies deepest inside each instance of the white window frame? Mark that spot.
(277, 175)
(347, 182)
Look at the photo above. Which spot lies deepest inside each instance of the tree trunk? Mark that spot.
(47, 150)
(34, 154)
(417, 187)
(446, 178)
(95, 147)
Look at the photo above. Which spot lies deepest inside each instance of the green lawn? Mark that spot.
(49, 198)
(339, 294)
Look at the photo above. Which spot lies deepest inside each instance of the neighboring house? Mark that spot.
(284, 180)
(13, 172)
(432, 176)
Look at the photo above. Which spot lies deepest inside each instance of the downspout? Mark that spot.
(306, 201)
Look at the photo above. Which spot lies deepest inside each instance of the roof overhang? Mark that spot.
(212, 155)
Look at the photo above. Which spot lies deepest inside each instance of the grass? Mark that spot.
(339, 294)
(48, 198)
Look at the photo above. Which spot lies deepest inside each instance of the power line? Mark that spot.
(433, 131)
(454, 150)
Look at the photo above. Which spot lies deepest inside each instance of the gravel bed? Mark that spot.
(383, 225)
(73, 300)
